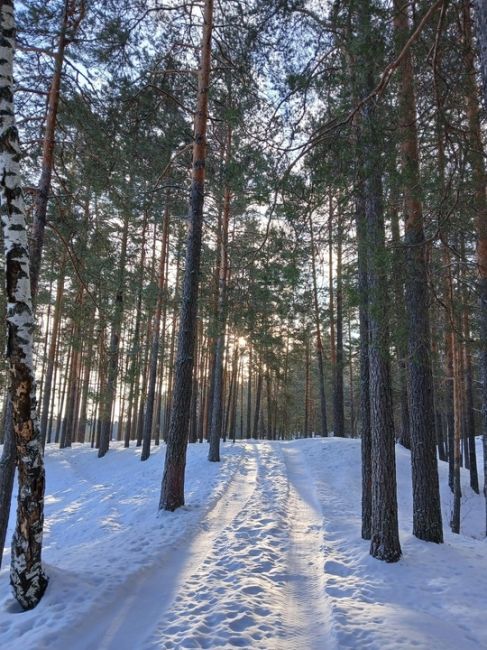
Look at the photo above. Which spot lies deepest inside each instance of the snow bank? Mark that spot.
(101, 528)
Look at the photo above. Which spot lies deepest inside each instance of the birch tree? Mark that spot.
(27, 577)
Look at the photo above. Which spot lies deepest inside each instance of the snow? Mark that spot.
(267, 554)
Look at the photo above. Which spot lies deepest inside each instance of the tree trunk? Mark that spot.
(26, 573)
(154, 353)
(108, 394)
(193, 428)
(55, 390)
(258, 394)
(46, 395)
(457, 396)
(306, 387)
(448, 396)
(172, 489)
(85, 386)
(359, 87)
(249, 396)
(319, 343)
(63, 385)
(7, 474)
(338, 406)
(134, 370)
(399, 330)
(427, 523)
(469, 403)
(232, 425)
(481, 221)
(44, 345)
(44, 184)
(350, 379)
(216, 410)
(384, 524)
(169, 394)
(73, 388)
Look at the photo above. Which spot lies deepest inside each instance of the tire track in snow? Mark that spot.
(310, 616)
(354, 614)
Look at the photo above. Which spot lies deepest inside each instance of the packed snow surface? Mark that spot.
(266, 554)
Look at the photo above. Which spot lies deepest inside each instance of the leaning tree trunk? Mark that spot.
(172, 489)
(47, 164)
(427, 522)
(73, 14)
(26, 573)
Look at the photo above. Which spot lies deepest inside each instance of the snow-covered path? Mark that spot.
(258, 584)
(267, 554)
(306, 577)
(145, 597)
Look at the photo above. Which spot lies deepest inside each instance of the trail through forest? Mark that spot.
(266, 554)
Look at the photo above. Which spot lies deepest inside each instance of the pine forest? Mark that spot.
(243, 400)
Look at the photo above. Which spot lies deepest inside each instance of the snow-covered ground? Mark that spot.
(267, 554)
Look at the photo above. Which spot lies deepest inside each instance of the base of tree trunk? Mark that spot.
(384, 551)
(28, 588)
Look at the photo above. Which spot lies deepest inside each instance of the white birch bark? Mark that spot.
(26, 574)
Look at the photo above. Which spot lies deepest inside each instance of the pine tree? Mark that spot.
(172, 489)
(427, 522)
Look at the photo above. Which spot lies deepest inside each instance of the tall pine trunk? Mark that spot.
(109, 390)
(338, 405)
(216, 410)
(319, 342)
(384, 523)
(258, 394)
(427, 523)
(154, 350)
(399, 333)
(46, 395)
(362, 282)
